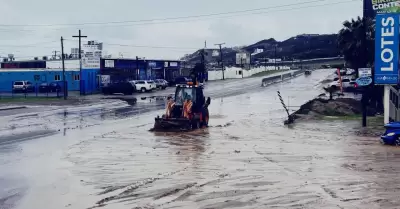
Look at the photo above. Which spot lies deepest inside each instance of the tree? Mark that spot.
(356, 42)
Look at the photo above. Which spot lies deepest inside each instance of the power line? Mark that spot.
(28, 45)
(153, 21)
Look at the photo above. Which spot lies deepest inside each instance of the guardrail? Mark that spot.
(279, 78)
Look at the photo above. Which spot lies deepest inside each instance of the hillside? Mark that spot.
(306, 46)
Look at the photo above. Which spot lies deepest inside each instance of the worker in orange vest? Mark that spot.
(187, 108)
(170, 107)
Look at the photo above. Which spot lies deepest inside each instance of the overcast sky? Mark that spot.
(27, 37)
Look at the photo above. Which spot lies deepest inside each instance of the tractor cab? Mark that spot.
(199, 111)
(192, 92)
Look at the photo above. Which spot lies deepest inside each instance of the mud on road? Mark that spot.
(246, 159)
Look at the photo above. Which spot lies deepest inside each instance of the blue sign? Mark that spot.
(387, 49)
(364, 81)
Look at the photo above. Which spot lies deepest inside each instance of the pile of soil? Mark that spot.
(337, 107)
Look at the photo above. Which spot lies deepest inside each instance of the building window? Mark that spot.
(57, 77)
(77, 77)
(36, 77)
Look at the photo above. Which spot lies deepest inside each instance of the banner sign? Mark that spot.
(91, 63)
(374, 7)
(364, 72)
(386, 49)
(364, 81)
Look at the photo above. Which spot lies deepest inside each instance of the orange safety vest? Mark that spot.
(170, 105)
(187, 109)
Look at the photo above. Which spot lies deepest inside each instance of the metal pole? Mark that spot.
(222, 62)
(365, 93)
(79, 36)
(137, 68)
(275, 57)
(63, 67)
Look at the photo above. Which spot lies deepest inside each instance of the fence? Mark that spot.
(278, 78)
(394, 112)
(40, 90)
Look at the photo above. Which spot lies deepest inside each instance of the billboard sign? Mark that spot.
(364, 72)
(242, 58)
(374, 7)
(386, 49)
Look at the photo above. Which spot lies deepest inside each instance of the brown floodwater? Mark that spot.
(247, 158)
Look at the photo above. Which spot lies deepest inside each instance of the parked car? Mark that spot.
(125, 88)
(161, 83)
(144, 86)
(133, 82)
(152, 83)
(23, 86)
(346, 83)
(182, 80)
(49, 87)
(392, 134)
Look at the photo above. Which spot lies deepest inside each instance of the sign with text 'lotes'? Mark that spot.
(386, 49)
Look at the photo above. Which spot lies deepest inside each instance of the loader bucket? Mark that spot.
(171, 124)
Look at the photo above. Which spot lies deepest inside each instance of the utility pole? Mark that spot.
(63, 67)
(80, 58)
(203, 65)
(222, 62)
(137, 68)
(205, 44)
(275, 56)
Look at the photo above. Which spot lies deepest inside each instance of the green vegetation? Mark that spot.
(356, 41)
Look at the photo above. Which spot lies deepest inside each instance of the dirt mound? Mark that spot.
(337, 107)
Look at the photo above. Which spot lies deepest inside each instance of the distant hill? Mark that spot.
(305, 46)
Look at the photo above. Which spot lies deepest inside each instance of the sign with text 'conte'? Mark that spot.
(386, 49)
(375, 7)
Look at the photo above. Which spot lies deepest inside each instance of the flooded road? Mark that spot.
(246, 159)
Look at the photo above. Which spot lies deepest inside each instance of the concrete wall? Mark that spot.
(235, 72)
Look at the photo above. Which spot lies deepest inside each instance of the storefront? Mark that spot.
(164, 69)
(124, 69)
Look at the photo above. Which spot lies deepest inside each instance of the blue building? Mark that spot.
(89, 83)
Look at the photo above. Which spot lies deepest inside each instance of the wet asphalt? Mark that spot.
(103, 156)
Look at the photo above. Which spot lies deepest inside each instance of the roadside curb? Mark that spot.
(12, 108)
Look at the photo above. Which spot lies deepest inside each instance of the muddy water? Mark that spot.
(246, 159)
